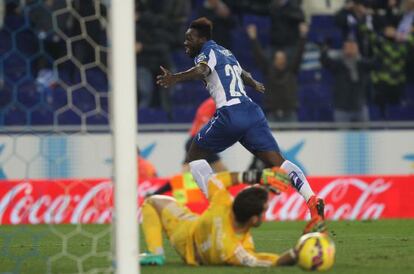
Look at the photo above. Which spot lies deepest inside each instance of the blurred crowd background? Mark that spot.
(321, 61)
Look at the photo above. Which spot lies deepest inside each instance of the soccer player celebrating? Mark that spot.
(237, 118)
(221, 235)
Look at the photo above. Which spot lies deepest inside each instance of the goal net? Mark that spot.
(56, 144)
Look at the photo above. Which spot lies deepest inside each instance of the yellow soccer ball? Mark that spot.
(316, 251)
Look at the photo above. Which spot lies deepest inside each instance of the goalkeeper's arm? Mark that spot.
(243, 257)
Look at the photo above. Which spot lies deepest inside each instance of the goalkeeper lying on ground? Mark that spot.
(221, 235)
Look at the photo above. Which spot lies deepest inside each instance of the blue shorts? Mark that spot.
(244, 123)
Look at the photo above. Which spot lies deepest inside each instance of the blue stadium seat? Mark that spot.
(28, 95)
(14, 22)
(97, 79)
(104, 104)
(15, 116)
(42, 115)
(152, 115)
(401, 113)
(27, 43)
(307, 76)
(189, 94)
(181, 60)
(59, 98)
(97, 119)
(262, 21)
(183, 114)
(6, 42)
(83, 99)
(323, 27)
(374, 113)
(68, 117)
(6, 95)
(69, 73)
(409, 93)
(15, 67)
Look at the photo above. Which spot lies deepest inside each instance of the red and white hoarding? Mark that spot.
(90, 200)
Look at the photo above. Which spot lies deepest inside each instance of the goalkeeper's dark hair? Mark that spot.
(203, 26)
(248, 203)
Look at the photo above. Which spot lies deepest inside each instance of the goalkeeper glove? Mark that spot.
(275, 178)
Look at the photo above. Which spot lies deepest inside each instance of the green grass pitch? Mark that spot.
(362, 247)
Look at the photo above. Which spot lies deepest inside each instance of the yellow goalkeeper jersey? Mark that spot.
(214, 238)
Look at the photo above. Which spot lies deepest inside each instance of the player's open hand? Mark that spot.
(259, 87)
(166, 79)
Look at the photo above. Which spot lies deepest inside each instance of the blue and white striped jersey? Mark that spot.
(224, 82)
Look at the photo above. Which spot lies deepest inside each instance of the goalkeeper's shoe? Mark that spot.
(316, 224)
(275, 179)
(151, 259)
(316, 207)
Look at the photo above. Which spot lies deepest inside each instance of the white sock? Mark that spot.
(201, 172)
(298, 179)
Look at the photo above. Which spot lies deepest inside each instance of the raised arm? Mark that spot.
(297, 60)
(259, 55)
(168, 79)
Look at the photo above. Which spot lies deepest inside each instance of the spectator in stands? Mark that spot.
(286, 16)
(405, 28)
(41, 17)
(347, 20)
(151, 52)
(350, 72)
(2, 12)
(223, 20)
(166, 18)
(163, 23)
(386, 12)
(406, 25)
(145, 78)
(388, 78)
(281, 96)
(177, 12)
(84, 50)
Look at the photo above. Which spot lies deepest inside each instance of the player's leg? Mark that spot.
(165, 213)
(214, 137)
(197, 152)
(298, 179)
(185, 166)
(212, 158)
(152, 228)
(218, 166)
(260, 141)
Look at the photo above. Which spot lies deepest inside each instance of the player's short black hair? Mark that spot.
(248, 203)
(203, 26)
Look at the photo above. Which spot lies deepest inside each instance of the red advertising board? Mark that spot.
(90, 200)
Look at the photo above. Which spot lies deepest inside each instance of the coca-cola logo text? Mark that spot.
(90, 201)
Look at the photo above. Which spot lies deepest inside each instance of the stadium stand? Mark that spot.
(24, 102)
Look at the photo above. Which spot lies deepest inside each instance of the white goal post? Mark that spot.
(124, 127)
